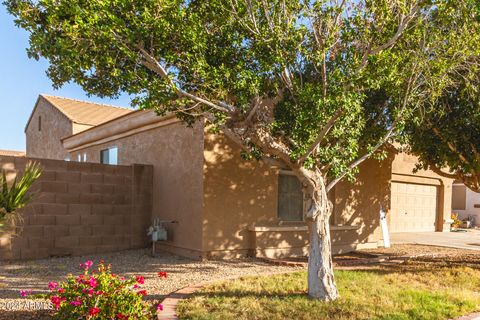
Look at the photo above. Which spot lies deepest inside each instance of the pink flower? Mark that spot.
(160, 307)
(52, 285)
(162, 274)
(121, 316)
(86, 265)
(99, 293)
(23, 293)
(135, 286)
(61, 290)
(92, 282)
(80, 278)
(140, 279)
(57, 301)
(76, 303)
(142, 292)
(93, 311)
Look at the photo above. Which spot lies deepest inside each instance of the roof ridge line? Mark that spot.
(85, 101)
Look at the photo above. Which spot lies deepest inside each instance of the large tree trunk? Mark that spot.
(321, 281)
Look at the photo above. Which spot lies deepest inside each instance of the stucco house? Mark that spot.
(465, 202)
(228, 207)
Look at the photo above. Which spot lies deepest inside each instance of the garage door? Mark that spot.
(413, 207)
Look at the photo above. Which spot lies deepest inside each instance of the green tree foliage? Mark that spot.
(317, 85)
(446, 134)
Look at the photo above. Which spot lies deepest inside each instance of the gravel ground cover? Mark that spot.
(35, 275)
(416, 250)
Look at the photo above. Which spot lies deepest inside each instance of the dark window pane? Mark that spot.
(290, 198)
(109, 156)
(104, 156)
(459, 197)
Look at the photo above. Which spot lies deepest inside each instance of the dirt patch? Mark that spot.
(34, 275)
(420, 250)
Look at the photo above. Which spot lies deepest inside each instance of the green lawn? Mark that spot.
(412, 291)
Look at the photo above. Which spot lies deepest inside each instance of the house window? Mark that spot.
(67, 158)
(79, 157)
(84, 157)
(290, 198)
(40, 123)
(109, 156)
(459, 197)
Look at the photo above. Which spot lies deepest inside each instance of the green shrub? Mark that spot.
(16, 196)
(100, 294)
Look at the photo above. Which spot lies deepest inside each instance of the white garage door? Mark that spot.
(413, 207)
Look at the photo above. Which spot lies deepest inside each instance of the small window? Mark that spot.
(40, 123)
(84, 157)
(79, 157)
(67, 158)
(290, 198)
(459, 197)
(109, 156)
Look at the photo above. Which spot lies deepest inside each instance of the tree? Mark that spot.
(447, 135)
(318, 86)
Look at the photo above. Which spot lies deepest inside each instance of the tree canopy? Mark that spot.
(353, 71)
(317, 85)
(447, 135)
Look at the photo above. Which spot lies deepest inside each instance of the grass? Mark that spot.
(412, 291)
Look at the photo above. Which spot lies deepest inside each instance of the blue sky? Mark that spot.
(22, 80)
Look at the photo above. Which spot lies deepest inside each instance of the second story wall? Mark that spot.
(44, 131)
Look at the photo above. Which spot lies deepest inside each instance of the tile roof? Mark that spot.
(83, 112)
(12, 153)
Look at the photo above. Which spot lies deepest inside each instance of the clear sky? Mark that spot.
(22, 80)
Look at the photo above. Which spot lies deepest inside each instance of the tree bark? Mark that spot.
(321, 280)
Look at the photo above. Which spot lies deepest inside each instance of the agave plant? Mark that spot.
(16, 196)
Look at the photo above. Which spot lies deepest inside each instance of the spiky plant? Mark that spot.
(16, 195)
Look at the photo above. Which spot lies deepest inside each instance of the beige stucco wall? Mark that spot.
(240, 195)
(358, 204)
(237, 194)
(175, 152)
(47, 142)
(403, 167)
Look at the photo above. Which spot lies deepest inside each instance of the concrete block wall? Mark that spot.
(80, 209)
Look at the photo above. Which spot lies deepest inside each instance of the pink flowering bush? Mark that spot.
(100, 294)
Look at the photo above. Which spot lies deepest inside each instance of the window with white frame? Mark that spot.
(290, 197)
(109, 156)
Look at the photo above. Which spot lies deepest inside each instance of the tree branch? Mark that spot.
(404, 21)
(321, 135)
(152, 64)
(439, 171)
(360, 160)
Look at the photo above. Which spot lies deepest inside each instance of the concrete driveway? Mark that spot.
(461, 240)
